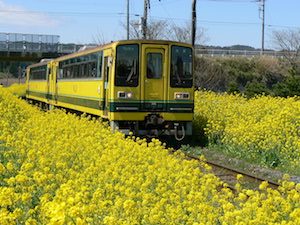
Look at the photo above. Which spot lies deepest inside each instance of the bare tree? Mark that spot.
(158, 30)
(183, 34)
(162, 30)
(155, 30)
(99, 38)
(288, 41)
(134, 29)
(6, 75)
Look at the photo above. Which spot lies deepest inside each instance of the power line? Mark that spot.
(228, 22)
(216, 22)
(87, 14)
(167, 12)
(65, 13)
(226, 1)
(238, 1)
(166, 2)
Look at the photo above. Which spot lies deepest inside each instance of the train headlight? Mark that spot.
(125, 95)
(181, 95)
(129, 95)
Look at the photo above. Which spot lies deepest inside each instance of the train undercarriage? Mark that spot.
(154, 126)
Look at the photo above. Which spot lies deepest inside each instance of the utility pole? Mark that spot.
(194, 20)
(127, 19)
(262, 9)
(144, 18)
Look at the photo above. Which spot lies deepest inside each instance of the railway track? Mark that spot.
(229, 176)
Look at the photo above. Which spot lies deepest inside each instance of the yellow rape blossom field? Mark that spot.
(17, 89)
(264, 129)
(58, 168)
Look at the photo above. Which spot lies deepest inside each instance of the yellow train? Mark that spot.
(139, 86)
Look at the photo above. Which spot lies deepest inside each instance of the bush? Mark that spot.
(250, 75)
(288, 88)
(255, 88)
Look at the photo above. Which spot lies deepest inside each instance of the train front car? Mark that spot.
(153, 89)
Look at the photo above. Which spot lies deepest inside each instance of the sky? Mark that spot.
(225, 22)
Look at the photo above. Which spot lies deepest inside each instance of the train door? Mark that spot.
(106, 79)
(154, 75)
(52, 94)
(49, 69)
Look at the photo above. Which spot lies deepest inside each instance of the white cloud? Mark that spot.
(17, 15)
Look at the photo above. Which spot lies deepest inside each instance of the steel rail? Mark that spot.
(232, 172)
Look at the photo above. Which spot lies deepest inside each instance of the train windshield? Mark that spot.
(181, 67)
(127, 65)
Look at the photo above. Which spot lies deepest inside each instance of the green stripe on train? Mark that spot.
(128, 106)
(37, 94)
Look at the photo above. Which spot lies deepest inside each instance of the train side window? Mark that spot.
(81, 70)
(89, 70)
(88, 66)
(72, 73)
(154, 65)
(99, 66)
(38, 73)
(68, 72)
(86, 70)
(93, 69)
(75, 71)
(61, 73)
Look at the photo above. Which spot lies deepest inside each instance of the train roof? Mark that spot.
(45, 63)
(108, 45)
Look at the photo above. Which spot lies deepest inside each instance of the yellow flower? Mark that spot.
(10, 166)
(2, 168)
(239, 177)
(65, 169)
(263, 185)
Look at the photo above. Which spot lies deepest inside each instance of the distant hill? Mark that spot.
(233, 47)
